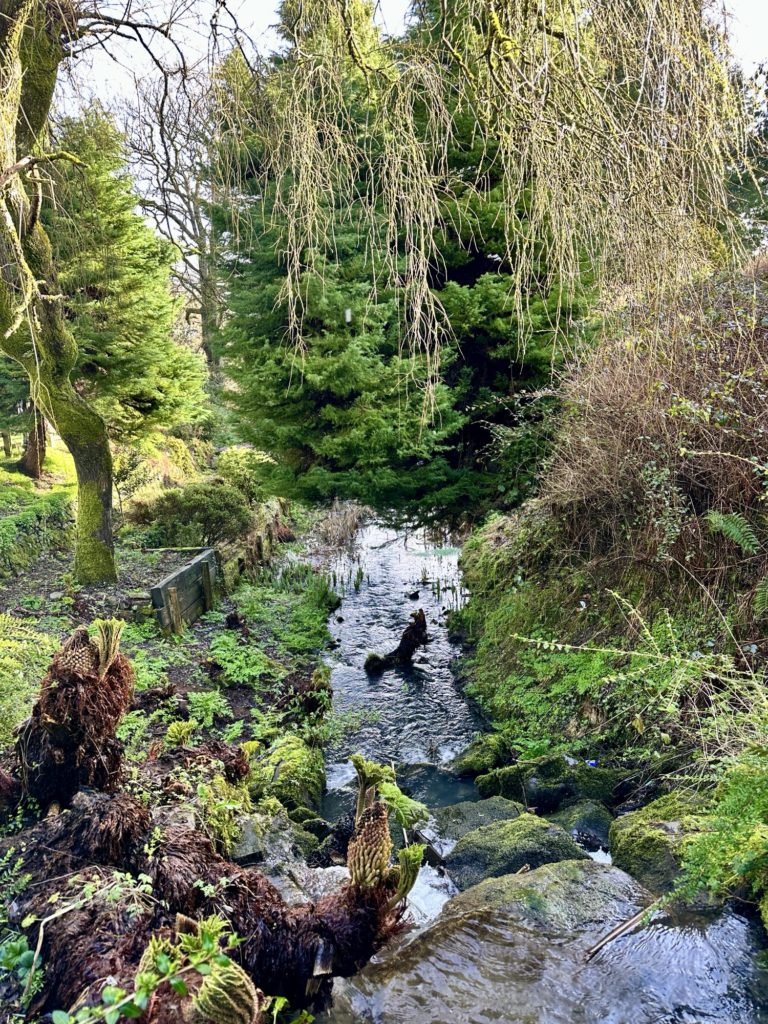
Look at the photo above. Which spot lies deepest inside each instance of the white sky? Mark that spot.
(105, 79)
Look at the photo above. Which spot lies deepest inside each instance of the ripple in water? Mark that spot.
(414, 716)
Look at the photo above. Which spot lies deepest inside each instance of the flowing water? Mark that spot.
(490, 965)
(413, 717)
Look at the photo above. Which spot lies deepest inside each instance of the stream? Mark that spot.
(483, 956)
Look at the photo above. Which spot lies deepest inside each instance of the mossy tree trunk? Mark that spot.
(33, 330)
(7, 444)
(33, 456)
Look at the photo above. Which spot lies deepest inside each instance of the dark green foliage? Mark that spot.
(199, 514)
(115, 273)
(345, 414)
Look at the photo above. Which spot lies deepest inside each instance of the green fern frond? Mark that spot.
(760, 597)
(735, 527)
(24, 657)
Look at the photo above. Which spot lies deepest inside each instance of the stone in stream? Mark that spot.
(504, 847)
(550, 781)
(484, 753)
(448, 824)
(587, 821)
(511, 951)
(648, 842)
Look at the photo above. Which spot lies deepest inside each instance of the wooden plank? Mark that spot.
(191, 571)
(207, 585)
(174, 609)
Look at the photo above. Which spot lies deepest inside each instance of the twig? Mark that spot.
(621, 929)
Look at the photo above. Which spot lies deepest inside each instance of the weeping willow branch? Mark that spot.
(613, 123)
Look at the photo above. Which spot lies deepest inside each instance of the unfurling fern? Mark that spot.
(735, 527)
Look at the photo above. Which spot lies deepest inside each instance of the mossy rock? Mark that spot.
(587, 821)
(504, 847)
(292, 772)
(548, 782)
(448, 824)
(273, 842)
(484, 753)
(648, 843)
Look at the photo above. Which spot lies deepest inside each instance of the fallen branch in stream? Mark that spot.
(623, 928)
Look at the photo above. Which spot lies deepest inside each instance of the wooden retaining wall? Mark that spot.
(181, 598)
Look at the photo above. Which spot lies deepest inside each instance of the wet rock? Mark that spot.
(587, 821)
(648, 842)
(548, 782)
(504, 847)
(292, 772)
(484, 753)
(448, 824)
(333, 849)
(273, 842)
(512, 950)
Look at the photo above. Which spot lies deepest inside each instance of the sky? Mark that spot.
(106, 79)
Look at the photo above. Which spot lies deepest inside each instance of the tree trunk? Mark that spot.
(33, 456)
(85, 435)
(31, 52)
(7, 445)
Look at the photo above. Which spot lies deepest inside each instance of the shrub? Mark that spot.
(243, 469)
(664, 443)
(199, 514)
(730, 855)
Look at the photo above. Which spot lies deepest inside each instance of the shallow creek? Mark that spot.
(478, 957)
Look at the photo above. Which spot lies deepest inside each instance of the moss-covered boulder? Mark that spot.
(484, 753)
(550, 781)
(587, 821)
(504, 847)
(448, 824)
(648, 843)
(291, 771)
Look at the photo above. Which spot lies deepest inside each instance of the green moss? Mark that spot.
(547, 782)
(588, 821)
(504, 847)
(292, 772)
(94, 557)
(648, 843)
(484, 753)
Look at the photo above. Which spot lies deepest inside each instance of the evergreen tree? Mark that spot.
(114, 271)
(345, 415)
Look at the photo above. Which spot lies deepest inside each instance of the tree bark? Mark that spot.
(7, 444)
(33, 456)
(33, 330)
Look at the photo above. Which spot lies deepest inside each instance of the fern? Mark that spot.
(735, 527)
(760, 597)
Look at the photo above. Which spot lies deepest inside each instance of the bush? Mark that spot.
(243, 469)
(665, 439)
(198, 515)
(730, 855)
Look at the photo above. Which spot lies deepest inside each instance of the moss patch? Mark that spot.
(505, 847)
(292, 772)
(648, 843)
(547, 782)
